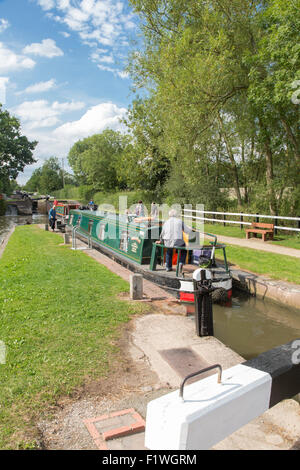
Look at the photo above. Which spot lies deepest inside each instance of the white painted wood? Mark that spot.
(244, 215)
(210, 411)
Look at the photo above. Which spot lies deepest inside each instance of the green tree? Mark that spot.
(144, 164)
(16, 151)
(221, 74)
(94, 160)
(47, 178)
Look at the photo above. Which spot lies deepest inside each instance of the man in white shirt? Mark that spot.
(172, 235)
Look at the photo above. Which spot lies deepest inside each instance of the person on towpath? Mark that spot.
(52, 217)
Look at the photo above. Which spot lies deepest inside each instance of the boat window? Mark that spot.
(71, 219)
(124, 239)
(78, 221)
(90, 226)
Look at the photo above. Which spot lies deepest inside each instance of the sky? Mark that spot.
(62, 70)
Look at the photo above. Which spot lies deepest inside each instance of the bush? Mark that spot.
(86, 193)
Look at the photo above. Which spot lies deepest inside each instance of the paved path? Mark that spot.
(259, 245)
(151, 290)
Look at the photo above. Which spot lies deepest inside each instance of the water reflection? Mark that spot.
(252, 325)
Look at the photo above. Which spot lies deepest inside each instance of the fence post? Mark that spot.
(299, 222)
(241, 219)
(257, 218)
(275, 222)
(224, 217)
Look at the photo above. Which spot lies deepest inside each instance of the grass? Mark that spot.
(290, 241)
(59, 320)
(285, 268)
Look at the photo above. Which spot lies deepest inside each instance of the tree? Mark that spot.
(144, 164)
(46, 179)
(221, 74)
(94, 160)
(16, 151)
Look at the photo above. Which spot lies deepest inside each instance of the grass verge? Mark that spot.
(59, 320)
(285, 268)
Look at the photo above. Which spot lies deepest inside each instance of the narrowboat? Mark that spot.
(63, 212)
(131, 241)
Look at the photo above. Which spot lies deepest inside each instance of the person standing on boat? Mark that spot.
(172, 235)
(140, 209)
(52, 217)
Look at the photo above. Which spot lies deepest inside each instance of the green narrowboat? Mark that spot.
(130, 241)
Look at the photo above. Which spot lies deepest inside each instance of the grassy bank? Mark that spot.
(285, 268)
(59, 314)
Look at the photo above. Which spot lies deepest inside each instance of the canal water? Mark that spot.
(252, 325)
(249, 326)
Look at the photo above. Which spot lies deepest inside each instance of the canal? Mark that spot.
(253, 325)
(249, 326)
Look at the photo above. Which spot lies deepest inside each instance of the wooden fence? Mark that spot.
(201, 215)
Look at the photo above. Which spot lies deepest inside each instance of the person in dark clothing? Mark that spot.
(52, 217)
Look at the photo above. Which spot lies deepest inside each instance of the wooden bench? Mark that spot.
(264, 229)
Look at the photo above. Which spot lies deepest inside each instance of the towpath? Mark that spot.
(259, 245)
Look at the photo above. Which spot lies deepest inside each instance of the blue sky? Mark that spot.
(62, 69)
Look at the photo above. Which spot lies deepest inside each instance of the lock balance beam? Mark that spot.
(209, 411)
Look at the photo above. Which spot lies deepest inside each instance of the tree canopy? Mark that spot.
(48, 178)
(94, 160)
(16, 151)
(221, 75)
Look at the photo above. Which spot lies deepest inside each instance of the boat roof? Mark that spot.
(131, 219)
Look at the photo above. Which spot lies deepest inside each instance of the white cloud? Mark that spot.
(46, 4)
(116, 72)
(4, 24)
(3, 84)
(39, 87)
(41, 113)
(47, 48)
(10, 61)
(59, 141)
(105, 23)
(65, 34)
(95, 120)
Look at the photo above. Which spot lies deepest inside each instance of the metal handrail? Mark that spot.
(74, 231)
(198, 373)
